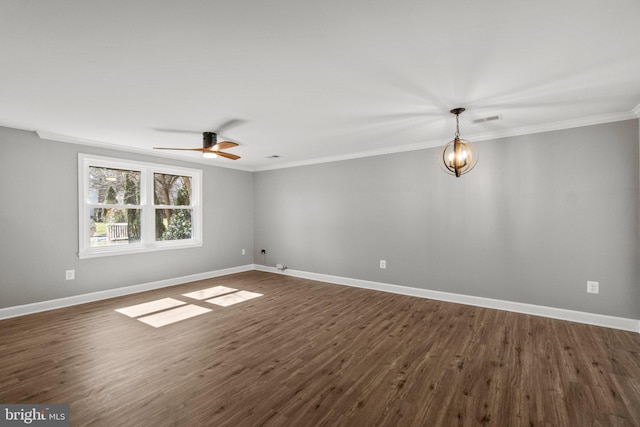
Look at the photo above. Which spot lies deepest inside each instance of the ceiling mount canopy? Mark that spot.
(458, 156)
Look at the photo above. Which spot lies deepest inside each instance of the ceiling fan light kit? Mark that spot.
(458, 156)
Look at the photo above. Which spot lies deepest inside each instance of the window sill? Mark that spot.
(160, 246)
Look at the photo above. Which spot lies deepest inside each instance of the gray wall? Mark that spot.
(538, 217)
(39, 231)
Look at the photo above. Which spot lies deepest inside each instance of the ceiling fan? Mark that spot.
(210, 145)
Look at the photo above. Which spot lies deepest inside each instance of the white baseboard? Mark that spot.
(536, 310)
(21, 310)
(613, 322)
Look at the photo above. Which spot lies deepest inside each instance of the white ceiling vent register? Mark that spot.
(488, 119)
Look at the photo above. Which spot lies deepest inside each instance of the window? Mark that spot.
(128, 207)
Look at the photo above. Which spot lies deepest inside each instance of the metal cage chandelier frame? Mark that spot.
(458, 156)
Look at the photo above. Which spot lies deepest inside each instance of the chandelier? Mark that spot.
(459, 156)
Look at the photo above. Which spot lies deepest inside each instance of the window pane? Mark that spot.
(114, 226)
(114, 186)
(171, 189)
(173, 224)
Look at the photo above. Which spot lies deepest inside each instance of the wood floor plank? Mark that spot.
(307, 353)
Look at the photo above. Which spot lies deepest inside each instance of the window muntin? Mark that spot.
(128, 207)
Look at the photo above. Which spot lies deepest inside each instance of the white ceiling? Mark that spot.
(313, 80)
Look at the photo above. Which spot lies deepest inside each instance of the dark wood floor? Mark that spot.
(310, 353)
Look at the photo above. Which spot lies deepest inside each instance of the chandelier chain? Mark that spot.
(457, 126)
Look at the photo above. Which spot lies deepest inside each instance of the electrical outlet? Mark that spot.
(70, 274)
(593, 287)
(383, 263)
(244, 252)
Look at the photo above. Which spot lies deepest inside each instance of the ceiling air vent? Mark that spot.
(488, 119)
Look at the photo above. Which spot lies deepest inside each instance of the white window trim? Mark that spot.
(148, 242)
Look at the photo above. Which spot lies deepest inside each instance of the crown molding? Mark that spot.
(82, 141)
(554, 126)
(506, 133)
(350, 156)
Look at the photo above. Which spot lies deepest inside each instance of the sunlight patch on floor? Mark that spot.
(166, 311)
(172, 316)
(150, 307)
(209, 292)
(233, 298)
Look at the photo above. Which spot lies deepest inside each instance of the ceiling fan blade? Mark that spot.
(223, 154)
(223, 145)
(204, 150)
(226, 125)
(231, 123)
(191, 132)
(188, 149)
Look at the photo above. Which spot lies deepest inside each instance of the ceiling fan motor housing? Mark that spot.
(208, 139)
